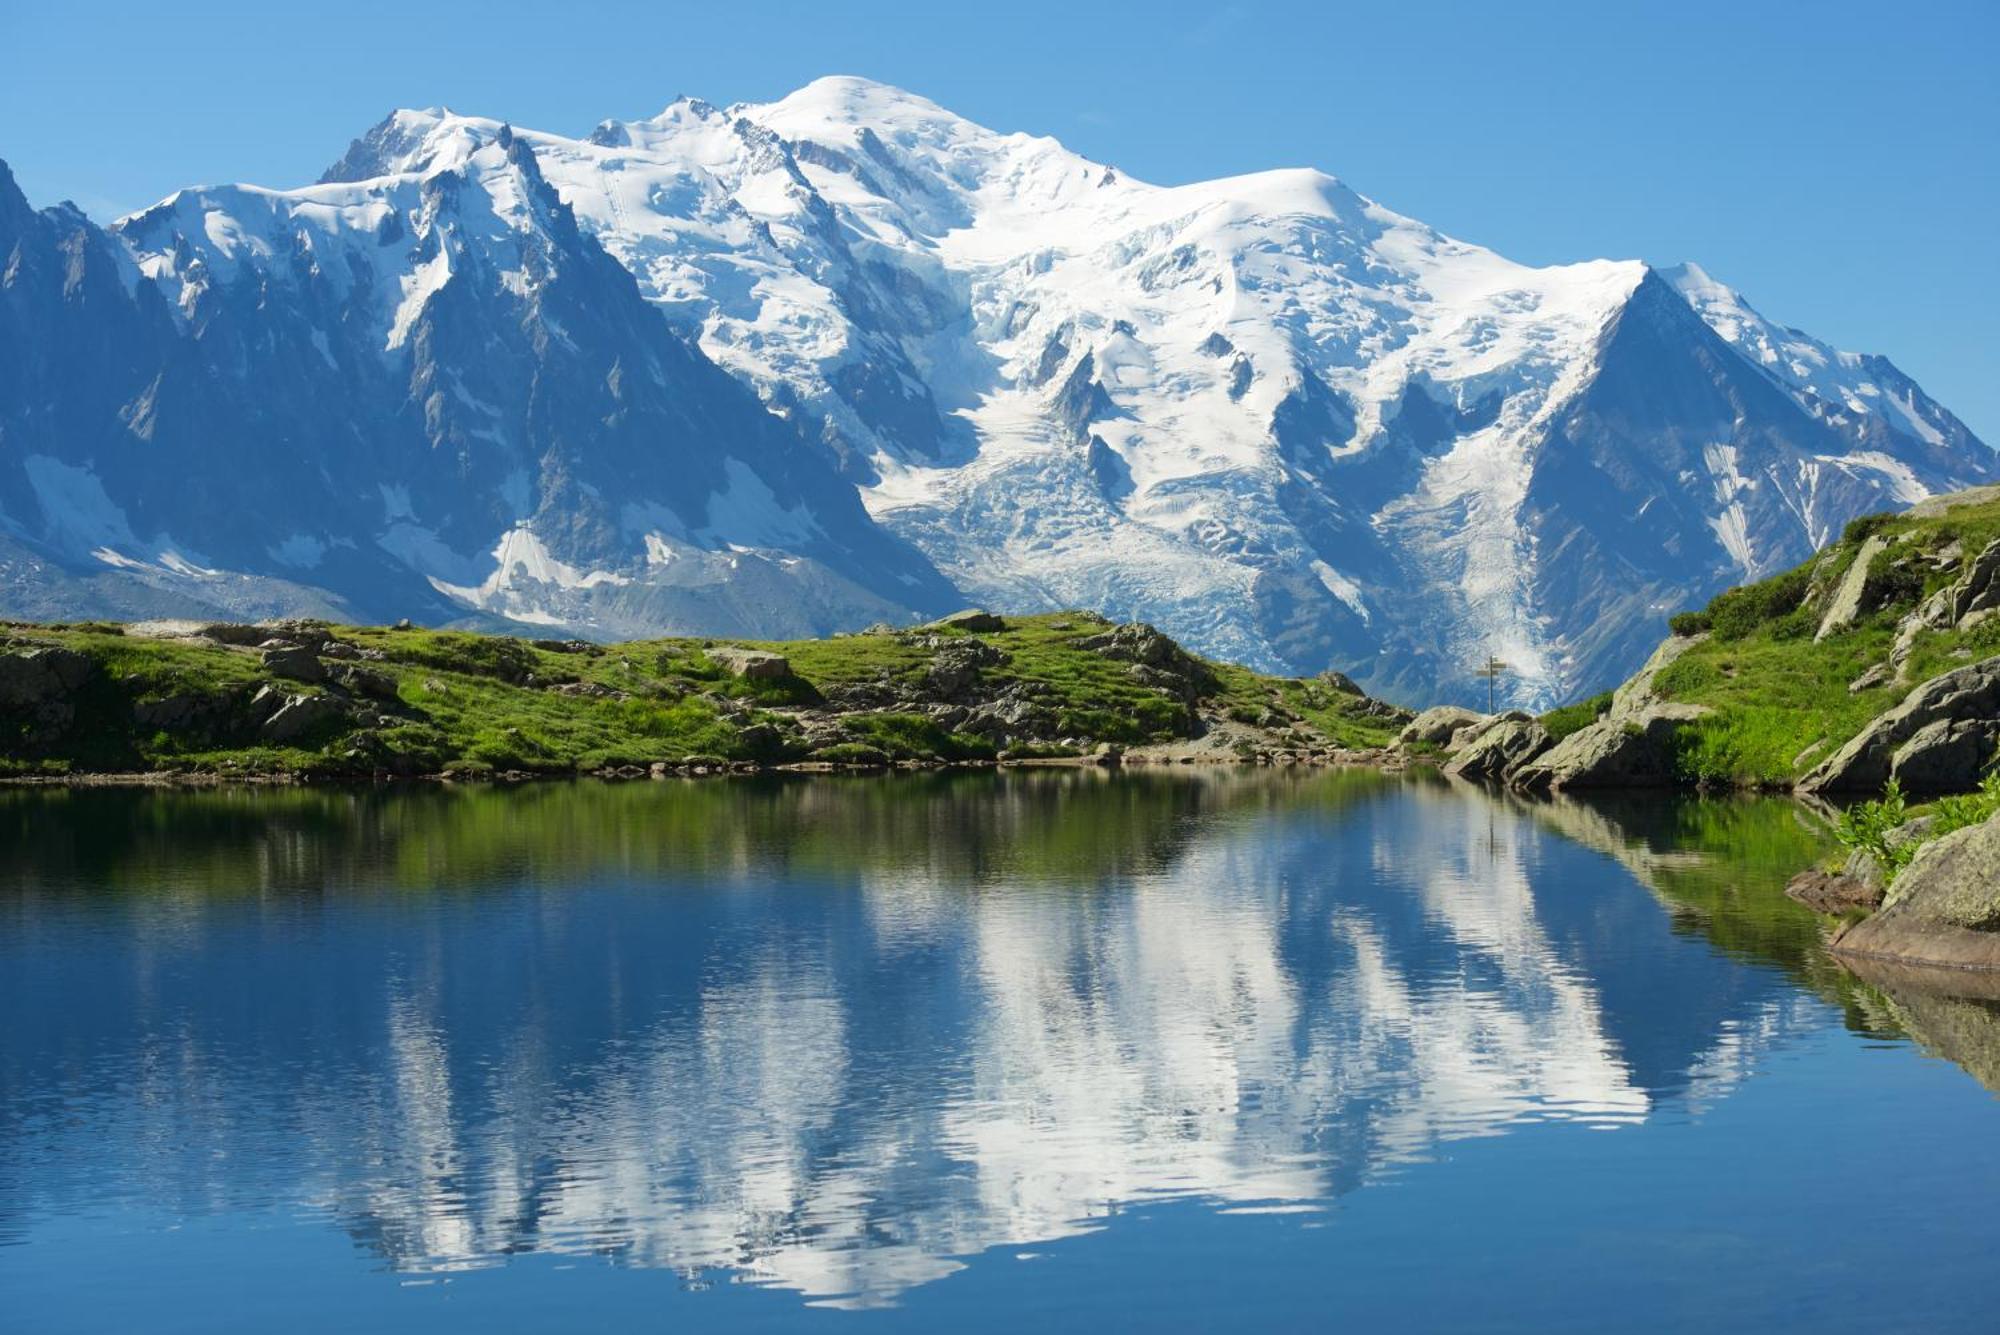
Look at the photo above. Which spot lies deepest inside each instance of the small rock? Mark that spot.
(1879, 675)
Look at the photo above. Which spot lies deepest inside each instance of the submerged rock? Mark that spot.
(1833, 892)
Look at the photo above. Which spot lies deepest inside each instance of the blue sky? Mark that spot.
(1838, 162)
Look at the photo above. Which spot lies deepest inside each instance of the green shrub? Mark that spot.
(1689, 623)
(1574, 718)
(1863, 527)
(1891, 585)
(1736, 613)
(1865, 827)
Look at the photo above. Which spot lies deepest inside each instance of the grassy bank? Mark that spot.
(417, 701)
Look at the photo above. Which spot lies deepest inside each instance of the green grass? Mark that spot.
(480, 704)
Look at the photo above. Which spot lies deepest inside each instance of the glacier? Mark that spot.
(793, 367)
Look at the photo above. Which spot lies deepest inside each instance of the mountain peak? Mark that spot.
(410, 139)
(850, 103)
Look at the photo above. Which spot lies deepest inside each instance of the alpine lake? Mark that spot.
(1062, 1049)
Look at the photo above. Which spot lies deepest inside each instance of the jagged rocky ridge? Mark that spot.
(1284, 423)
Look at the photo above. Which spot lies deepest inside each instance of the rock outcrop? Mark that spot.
(1633, 750)
(1943, 910)
(1937, 740)
(1438, 725)
(37, 692)
(1961, 604)
(1500, 749)
(1846, 603)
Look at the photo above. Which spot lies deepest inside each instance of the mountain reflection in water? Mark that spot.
(838, 1035)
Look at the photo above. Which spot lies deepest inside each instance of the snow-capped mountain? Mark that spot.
(1282, 422)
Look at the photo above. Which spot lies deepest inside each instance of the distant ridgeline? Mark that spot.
(784, 370)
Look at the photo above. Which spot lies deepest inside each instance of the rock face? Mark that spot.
(1936, 740)
(1500, 749)
(1944, 909)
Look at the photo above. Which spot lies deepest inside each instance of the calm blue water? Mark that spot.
(1167, 1052)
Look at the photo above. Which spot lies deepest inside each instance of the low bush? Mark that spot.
(1574, 718)
(1865, 827)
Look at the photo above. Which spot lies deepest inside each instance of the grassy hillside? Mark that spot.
(368, 700)
(1782, 701)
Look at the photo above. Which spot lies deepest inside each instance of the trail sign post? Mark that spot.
(1493, 671)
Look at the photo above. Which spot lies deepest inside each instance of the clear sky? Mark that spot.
(1838, 162)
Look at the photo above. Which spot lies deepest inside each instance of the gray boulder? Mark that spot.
(366, 681)
(956, 666)
(757, 664)
(1969, 694)
(1500, 749)
(1437, 725)
(1944, 909)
